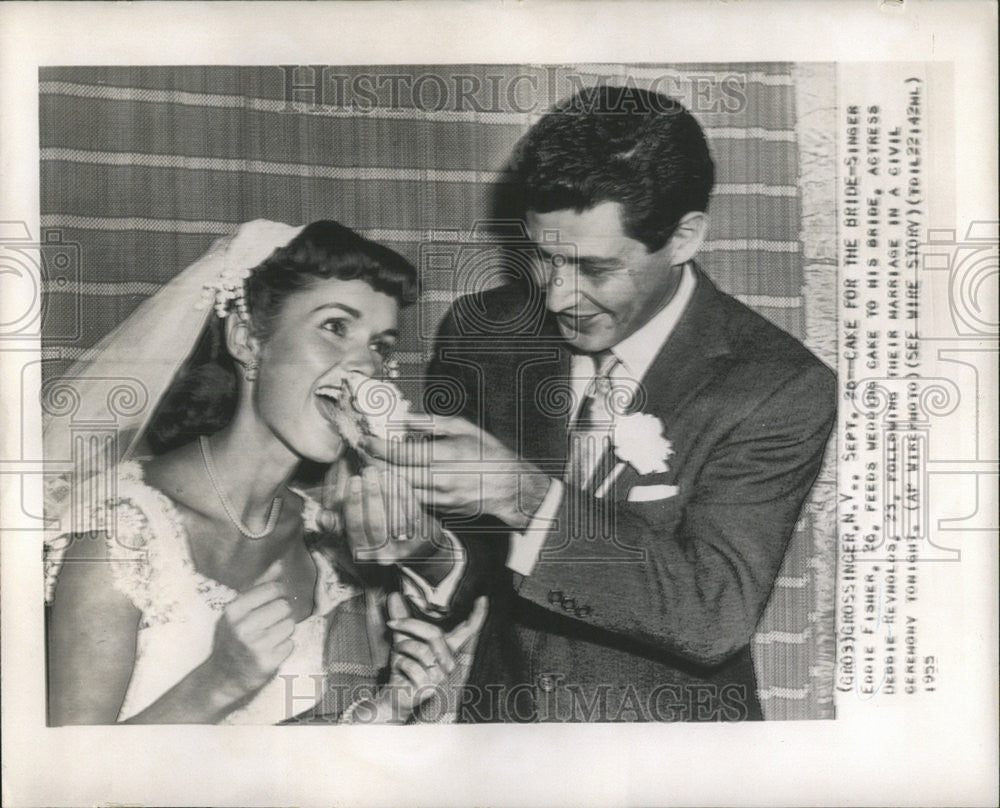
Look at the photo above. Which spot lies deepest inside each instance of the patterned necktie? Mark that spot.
(590, 432)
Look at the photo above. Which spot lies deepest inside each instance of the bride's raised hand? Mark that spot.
(253, 636)
(422, 656)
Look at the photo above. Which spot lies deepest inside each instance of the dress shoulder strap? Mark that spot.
(142, 533)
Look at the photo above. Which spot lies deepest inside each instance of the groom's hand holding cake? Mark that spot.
(378, 511)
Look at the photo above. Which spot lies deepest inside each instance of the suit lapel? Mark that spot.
(686, 362)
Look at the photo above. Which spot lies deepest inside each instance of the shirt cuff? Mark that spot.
(525, 547)
(435, 600)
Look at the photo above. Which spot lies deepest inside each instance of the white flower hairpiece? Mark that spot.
(639, 441)
(237, 256)
(229, 286)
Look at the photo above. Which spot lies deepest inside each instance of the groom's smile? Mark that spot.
(573, 322)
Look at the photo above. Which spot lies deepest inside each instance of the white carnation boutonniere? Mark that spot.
(639, 441)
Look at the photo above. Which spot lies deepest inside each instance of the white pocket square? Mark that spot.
(649, 493)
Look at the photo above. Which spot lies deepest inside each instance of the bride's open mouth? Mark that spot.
(331, 401)
(336, 405)
(339, 406)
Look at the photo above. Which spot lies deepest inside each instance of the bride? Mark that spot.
(209, 604)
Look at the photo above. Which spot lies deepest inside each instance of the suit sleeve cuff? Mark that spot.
(525, 547)
(435, 600)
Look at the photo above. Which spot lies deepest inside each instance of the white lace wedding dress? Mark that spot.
(152, 566)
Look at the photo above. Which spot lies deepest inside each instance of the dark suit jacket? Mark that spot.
(637, 610)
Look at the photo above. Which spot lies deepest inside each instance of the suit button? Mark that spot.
(545, 683)
(583, 611)
(555, 596)
(569, 604)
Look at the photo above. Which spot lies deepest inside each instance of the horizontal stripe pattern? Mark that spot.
(786, 637)
(311, 170)
(790, 582)
(101, 289)
(787, 693)
(133, 223)
(282, 107)
(124, 191)
(357, 174)
(781, 78)
(126, 224)
(411, 363)
(130, 288)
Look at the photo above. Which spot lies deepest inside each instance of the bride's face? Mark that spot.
(321, 334)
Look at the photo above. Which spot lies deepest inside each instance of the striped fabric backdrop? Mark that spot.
(145, 167)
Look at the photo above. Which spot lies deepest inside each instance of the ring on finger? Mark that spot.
(401, 537)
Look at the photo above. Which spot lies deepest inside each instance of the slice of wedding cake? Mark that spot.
(364, 406)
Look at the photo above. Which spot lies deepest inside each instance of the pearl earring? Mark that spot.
(250, 370)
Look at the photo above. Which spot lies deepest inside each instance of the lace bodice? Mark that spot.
(152, 565)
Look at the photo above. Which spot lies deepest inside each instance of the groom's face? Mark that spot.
(605, 285)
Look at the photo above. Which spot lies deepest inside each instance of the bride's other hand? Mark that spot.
(422, 657)
(403, 625)
(253, 636)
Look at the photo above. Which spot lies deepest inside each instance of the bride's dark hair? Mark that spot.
(202, 399)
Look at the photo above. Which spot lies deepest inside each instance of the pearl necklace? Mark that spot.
(272, 513)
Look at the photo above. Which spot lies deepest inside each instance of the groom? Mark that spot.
(635, 446)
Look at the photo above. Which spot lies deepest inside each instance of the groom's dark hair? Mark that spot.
(641, 149)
